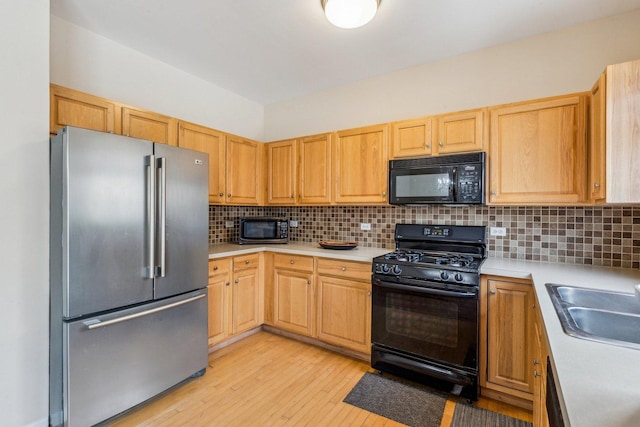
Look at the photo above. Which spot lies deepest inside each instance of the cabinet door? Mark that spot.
(281, 172)
(150, 126)
(411, 138)
(597, 142)
(244, 171)
(72, 108)
(361, 165)
(212, 142)
(510, 336)
(623, 135)
(344, 313)
(541, 351)
(246, 300)
(219, 308)
(538, 152)
(314, 185)
(293, 301)
(461, 132)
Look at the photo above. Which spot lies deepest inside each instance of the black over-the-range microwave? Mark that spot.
(452, 179)
(257, 230)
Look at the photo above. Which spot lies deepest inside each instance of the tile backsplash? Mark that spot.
(608, 236)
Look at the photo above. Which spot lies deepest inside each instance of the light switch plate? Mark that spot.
(228, 224)
(293, 223)
(498, 231)
(365, 226)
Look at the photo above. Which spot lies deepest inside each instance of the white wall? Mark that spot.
(551, 64)
(88, 62)
(24, 217)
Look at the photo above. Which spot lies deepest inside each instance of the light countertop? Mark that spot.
(599, 383)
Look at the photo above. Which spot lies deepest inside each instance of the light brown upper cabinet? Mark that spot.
(150, 126)
(314, 169)
(361, 165)
(244, 171)
(615, 139)
(538, 152)
(461, 132)
(446, 134)
(212, 142)
(72, 108)
(281, 172)
(412, 138)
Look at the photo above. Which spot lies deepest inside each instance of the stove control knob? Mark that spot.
(458, 277)
(444, 275)
(396, 269)
(385, 268)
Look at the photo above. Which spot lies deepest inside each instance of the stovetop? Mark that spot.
(445, 254)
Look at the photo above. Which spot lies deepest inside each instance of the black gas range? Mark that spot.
(425, 311)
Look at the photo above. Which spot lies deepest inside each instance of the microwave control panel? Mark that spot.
(470, 186)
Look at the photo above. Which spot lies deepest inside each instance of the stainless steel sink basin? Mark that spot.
(598, 315)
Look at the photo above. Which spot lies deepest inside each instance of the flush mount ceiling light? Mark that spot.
(350, 13)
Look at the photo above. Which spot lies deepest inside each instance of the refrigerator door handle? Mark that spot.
(162, 217)
(150, 226)
(95, 323)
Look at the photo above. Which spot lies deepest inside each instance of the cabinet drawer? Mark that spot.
(293, 262)
(351, 269)
(219, 266)
(246, 261)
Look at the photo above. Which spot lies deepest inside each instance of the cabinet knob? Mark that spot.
(596, 185)
(344, 269)
(221, 194)
(535, 362)
(291, 262)
(227, 283)
(229, 195)
(299, 196)
(384, 193)
(537, 374)
(215, 267)
(494, 193)
(247, 262)
(236, 281)
(492, 291)
(369, 293)
(427, 145)
(308, 282)
(441, 144)
(292, 196)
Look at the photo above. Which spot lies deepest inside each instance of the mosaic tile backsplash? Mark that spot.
(608, 236)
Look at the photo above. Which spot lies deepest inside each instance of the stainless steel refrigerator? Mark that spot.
(128, 272)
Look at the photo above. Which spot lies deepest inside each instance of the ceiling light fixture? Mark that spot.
(350, 13)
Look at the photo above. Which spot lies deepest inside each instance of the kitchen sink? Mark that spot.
(598, 315)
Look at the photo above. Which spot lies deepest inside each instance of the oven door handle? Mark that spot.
(428, 291)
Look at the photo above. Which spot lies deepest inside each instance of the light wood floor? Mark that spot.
(269, 380)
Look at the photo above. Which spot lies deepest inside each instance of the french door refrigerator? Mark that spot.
(128, 272)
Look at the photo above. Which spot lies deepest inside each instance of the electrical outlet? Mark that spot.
(293, 223)
(365, 226)
(498, 231)
(228, 224)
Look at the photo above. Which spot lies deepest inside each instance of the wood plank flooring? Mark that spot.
(269, 380)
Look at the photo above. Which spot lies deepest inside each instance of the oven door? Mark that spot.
(429, 184)
(430, 323)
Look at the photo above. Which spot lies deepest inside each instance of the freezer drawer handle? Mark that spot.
(95, 324)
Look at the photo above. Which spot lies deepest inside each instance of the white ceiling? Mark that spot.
(268, 51)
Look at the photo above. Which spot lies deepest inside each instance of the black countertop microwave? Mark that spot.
(258, 230)
(452, 179)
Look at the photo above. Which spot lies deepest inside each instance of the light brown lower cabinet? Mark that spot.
(219, 297)
(234, 295)
(507, 340)
(294, 294)
(539, 366)
(344, 304)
